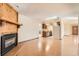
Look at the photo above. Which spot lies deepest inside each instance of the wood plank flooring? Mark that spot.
(50, 46)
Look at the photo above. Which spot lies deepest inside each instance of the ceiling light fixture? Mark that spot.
(50, 18)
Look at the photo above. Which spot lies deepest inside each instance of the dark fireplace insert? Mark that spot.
(7, 42)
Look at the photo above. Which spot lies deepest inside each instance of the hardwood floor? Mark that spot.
(47, 47)
(70, 45)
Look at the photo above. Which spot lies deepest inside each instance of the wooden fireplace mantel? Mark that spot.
(15, 23)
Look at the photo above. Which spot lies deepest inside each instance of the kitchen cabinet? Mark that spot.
(45, 31)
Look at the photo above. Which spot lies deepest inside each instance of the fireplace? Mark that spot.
(8, 41)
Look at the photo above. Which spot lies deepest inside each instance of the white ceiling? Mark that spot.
(43, 10)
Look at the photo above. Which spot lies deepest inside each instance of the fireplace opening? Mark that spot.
(8, 41)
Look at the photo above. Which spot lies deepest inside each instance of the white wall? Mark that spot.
(29, 30)
(67, 29)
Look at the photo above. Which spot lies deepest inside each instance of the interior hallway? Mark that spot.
(50, 47)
